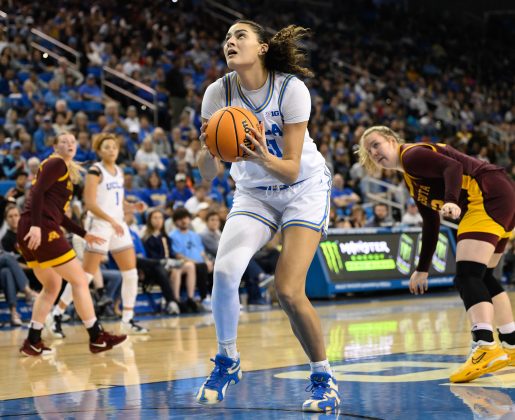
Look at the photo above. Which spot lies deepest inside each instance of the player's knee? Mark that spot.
(469, 282)
(288, 297)
(492, 284)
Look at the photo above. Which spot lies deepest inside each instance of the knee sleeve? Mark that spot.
(491, 283)
(469, 282)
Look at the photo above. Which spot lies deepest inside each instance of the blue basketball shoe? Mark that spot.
(325, 396)
(227, 371)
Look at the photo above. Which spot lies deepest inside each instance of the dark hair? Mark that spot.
(149, 229)
(213, 213)
(180, 213)
(284, 53)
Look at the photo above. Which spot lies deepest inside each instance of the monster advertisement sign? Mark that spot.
(382, 256)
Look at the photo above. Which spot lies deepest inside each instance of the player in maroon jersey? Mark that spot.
(443, 180)
(47, 252)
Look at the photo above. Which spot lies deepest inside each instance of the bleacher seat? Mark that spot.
(6, 185)
(23, 75)
(46, 76)
(96, 70)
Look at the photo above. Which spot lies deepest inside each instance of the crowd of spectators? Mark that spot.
(432, 77)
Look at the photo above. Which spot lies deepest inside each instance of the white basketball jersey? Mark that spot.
(110, 193)
(227, 91)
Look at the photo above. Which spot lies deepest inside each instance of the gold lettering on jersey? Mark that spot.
(69, 185)
(423, 194)
(53, 235)
(437, 204)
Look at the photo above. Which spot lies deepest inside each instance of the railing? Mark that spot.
(109, 73)
(63, 50)
(495, 134)
(387, 196)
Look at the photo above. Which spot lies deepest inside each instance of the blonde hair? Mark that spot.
(74, 168)
(364, 158)
(98, 139)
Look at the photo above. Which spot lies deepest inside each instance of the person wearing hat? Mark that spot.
(181, 193)
(90, 91)
(412, 215)
(14, 162)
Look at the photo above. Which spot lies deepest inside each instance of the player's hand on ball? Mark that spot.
(418, 283)
(451, 210)
(260, 154)
(93, 239)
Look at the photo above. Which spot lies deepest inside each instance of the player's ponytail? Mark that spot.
(284, 52)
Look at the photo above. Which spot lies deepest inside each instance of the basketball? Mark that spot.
(226, 130)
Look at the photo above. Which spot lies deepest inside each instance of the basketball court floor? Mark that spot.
(392, 357)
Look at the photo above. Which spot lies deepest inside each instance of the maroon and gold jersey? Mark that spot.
(50, 195)
(436, 174)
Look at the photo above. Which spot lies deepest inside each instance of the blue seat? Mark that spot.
(92, 107)
(46, 76)
(95, 70)
(6, 185)
(75, 105)
(23, 75)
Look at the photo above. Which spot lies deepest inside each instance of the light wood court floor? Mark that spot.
(402, 343)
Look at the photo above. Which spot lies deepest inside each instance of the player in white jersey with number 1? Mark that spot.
(283, 184)
(104, 200)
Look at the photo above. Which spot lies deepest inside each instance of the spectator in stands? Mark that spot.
(80, 123)
(132, 120)
(11, 217)
(145, 128)
(14, 162)
(17, 193)
(341, 197)
(181, 192)
(60, 125)
(54, 93)
(90, 91)
(26, 144)
(43, 137)
(380, 217)
(187, 245)
(158, 246)
(156, 192)
(84, 152)
(358, 217)
(115, 124)
(147, 156)
(13, 280)
(412, 215)
(33, 165)
(64, 69)
(161, 143)
(200, 197)
(61, 106)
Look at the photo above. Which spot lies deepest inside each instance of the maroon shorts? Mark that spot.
(54, 249)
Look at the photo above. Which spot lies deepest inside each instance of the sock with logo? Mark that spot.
(482, 331)
(322, 366)
(35, 329)
(94, 330)
(507, 333)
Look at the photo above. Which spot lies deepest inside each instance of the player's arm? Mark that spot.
(423, 162)
(430, 231)
(208, 165)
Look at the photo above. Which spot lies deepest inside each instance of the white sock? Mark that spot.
(57, 311)
(90, 322)
(35, 325)
(322, 366)
(129, 293)
(507, 328)
(228, 349)
(482, 326)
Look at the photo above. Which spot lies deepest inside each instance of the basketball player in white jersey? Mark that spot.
(104, 200)
(283, 184)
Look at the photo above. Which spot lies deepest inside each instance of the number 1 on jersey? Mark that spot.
(273, 148)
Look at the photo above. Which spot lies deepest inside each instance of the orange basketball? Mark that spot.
(226, 130)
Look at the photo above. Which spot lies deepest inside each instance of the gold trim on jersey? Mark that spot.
(70, 255)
